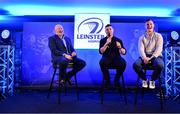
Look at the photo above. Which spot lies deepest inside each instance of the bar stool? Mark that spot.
(123, 86)
(162, 97)
(60, 86)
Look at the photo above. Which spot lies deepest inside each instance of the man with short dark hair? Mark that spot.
(111, 49)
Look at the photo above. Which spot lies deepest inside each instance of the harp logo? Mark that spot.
(91, 25)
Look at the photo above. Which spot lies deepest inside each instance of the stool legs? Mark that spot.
(59, 86)
(162, 96)
(103, 86)
(136, 91)
(51, 82)
(76, 87)
(77, 91)
(59, 90)
(124, 89)
(102, 91)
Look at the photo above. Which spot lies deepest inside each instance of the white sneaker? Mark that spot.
(151, 84)
(144, 84)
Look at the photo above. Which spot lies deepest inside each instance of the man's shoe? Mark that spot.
(152, 84)
(62, 82)
(144, 84)
(69, 82)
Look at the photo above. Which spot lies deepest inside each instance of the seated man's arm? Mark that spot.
(103, 46)
(52, 46)
(121, 47)
(159, 46)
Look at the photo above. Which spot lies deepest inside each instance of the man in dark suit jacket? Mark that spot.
(62, 53)
(111, 49)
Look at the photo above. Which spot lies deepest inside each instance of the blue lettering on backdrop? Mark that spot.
(90, 36)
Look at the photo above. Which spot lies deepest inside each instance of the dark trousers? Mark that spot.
(157, 64)
(117, 62)
(78, 64)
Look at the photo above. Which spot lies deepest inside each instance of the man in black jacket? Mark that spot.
(63, 52)
(111, 49)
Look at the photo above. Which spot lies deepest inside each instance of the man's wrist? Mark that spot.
(152, 57)
(105, 46)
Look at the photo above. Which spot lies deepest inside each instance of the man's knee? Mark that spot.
(83, 64)
(103, 64)
(160, 66)
(159, 63)
(63, 63)
(135, 65)
(123, 63)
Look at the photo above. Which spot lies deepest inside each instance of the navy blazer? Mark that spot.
(58, 48)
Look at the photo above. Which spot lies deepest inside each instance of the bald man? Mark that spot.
(63, 52)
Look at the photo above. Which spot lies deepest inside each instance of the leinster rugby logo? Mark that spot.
(91, 25)
(91, 29)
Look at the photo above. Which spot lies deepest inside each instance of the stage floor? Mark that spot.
(33, 101)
